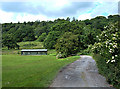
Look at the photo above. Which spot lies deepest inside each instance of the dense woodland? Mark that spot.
(49, 31)
(99, 35)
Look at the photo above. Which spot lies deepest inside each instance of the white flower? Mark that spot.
(112, 57)
(110, 50)
(112, 60)
(116, 55)
(113, 34)
(108, 61)
(114, 38)
(106, 46)
(114, 46)
(110, 43)
(105, 27)
(116, 29)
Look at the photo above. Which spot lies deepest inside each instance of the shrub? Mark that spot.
(67, 45)
(108, 48)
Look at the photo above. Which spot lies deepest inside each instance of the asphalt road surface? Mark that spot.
(81, 73)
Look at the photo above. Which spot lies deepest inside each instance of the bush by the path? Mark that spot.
(67, 45)
(108, 50)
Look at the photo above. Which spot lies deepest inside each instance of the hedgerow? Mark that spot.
(108, 49)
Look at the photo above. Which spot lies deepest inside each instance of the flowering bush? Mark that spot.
(108, 43)
(108, 48)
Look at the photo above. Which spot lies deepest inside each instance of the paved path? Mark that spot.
(81, 73)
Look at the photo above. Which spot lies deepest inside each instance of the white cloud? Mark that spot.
(105, 7)
(48, 4)
(101, 9)
(6, 17)
(60, 0)
(85, 16)
(57, 3)
(53, 9)
(29, 17)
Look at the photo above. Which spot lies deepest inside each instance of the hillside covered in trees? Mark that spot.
(49, 31)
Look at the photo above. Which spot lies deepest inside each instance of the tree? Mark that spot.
(42, 37)
(99, 22)
(10, 42)
(68, 19)
(51, 39)
(67, 45)
(73, 19)
(24, 33)
(89, 36)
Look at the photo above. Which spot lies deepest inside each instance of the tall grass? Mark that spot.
(31, 45)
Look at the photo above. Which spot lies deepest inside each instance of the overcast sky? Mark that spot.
(32, 10)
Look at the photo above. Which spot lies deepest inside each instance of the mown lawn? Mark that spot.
(31, 71)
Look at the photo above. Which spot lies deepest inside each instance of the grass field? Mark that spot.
(31, 71)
